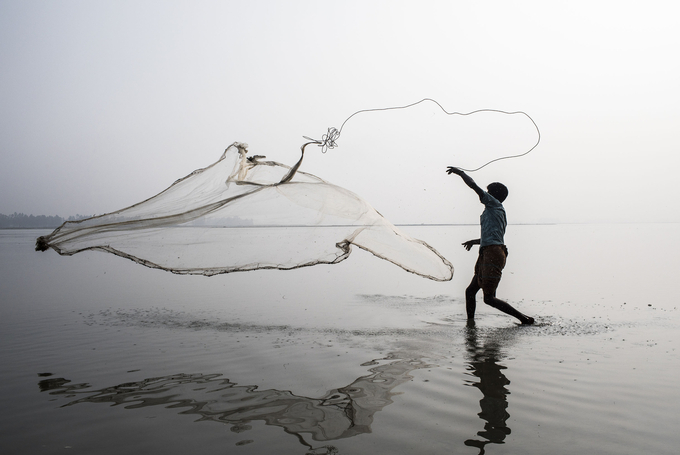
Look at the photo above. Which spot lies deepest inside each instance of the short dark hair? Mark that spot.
(498, 190)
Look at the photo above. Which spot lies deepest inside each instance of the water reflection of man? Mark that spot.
(483, 363)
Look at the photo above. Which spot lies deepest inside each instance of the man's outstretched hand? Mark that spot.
(454, 170)
(467, 245)
(467, 179)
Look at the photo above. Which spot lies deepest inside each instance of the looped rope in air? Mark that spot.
(328, 140)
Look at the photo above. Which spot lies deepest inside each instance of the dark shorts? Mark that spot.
(489, 267)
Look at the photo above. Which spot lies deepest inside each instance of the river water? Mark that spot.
(101, 355)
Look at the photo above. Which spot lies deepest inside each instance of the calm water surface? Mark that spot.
(101, 355)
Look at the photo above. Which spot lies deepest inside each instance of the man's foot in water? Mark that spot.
(527, 320)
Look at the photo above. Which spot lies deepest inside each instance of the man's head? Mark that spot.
(498, 190)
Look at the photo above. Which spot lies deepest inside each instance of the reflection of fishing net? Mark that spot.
(344, 412)
(245, 214)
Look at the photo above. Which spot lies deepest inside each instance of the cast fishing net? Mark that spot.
(244, 213)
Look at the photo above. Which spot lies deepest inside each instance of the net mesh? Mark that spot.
(245, 213)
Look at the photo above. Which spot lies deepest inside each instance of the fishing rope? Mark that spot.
(328, 140)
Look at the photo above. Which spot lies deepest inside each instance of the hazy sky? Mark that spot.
(105, 103)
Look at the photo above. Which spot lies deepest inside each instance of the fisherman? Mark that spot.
(492, 250)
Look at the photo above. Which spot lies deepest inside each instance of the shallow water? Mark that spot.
(101, 355)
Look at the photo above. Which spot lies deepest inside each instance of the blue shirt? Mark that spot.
(492, 221)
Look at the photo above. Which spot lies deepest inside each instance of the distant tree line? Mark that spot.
(21, 220)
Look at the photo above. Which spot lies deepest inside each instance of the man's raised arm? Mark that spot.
(467, 179)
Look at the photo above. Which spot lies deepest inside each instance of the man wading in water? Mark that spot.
(492, 250)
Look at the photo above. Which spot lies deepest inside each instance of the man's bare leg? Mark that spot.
(471, 298)
(506, 308)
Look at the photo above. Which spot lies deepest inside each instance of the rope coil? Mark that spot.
(327, 140)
